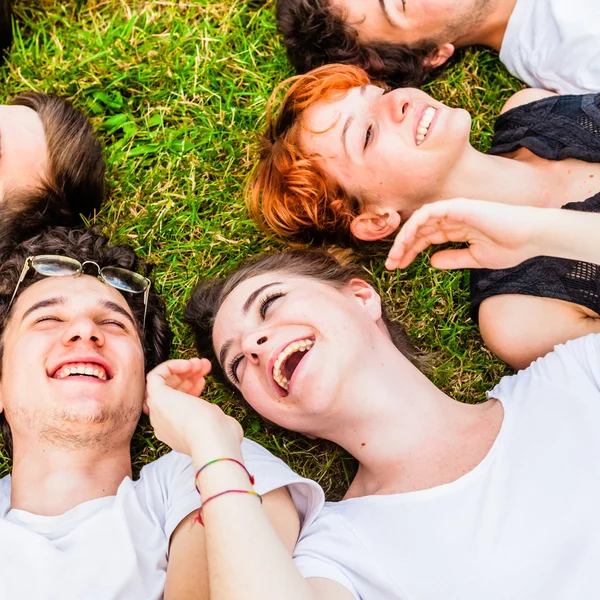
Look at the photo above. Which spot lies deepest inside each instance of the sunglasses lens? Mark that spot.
(125, 280)
(56, 266)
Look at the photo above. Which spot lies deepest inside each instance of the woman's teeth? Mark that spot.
(301, 346)
(424, 124)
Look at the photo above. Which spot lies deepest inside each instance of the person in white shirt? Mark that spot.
(550, 44)
(81, 325)
(495, 500)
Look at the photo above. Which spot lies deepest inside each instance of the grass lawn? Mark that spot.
(177, 90)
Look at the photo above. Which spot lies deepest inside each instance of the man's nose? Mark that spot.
(83, 329)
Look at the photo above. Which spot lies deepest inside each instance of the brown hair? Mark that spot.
(289, 193)
(208, 296)
(76, 173)
(315, 33)
(83, 244)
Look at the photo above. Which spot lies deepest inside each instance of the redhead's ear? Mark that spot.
(366, 294)
(375, 225)
(440, 56)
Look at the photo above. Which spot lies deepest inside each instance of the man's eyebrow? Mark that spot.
(251, 298)
(57, 300)
(110, 305)
(345, 131)
(386, 14)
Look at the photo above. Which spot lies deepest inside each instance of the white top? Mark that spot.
(523, 525)
(555, 45)
(116, 547)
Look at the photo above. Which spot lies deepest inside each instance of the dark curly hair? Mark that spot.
(75, 182)
(315, 34)
(209, 295)
(83, 244)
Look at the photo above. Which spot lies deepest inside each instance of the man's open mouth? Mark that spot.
(93, 370)
(288, 360)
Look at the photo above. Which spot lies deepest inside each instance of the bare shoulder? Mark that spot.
(525, 97)
(519, 328)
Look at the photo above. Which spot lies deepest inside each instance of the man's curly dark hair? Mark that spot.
(315, 34)
(83, 245)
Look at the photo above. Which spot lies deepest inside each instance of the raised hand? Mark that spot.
(185, 422)
(499, 235)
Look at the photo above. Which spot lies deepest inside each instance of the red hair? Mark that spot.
(289, 193)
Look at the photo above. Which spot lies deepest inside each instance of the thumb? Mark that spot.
(454, 259)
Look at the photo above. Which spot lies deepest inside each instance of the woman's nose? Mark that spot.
(398, 105)
(254, 346)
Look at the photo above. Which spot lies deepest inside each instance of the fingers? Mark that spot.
(454, 259)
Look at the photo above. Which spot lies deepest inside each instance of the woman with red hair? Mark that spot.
(345, 158)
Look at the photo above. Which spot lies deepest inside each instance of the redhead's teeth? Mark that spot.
(424, 124)
(301, 346)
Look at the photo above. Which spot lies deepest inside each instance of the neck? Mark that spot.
(49, 481)
(491, 31)
(398, 433)
(506, 180)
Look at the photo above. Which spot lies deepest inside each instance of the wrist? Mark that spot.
(222, 475)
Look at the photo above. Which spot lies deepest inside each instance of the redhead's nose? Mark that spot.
(397, 104)
(83, 330)
(254, 346)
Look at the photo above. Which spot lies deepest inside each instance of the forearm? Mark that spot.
(246, 558)
(568, 234)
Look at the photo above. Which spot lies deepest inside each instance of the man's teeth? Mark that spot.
(424, 124)
(91, 370)
(301, 346)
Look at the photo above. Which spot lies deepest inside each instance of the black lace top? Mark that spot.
(554, 128)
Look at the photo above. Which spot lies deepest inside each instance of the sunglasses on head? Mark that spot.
(54, 265)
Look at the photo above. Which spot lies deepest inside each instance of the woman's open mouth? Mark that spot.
(288, 360)
(424, 124)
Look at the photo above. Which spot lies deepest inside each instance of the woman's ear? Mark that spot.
(375, 225)
(439, 56)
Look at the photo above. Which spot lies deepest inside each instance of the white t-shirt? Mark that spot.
(555, 45)
(523, 525)
(116, 547)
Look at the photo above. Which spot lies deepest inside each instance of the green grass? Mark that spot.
(177, 90)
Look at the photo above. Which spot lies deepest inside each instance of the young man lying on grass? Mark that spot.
(80, 326)
(549, 44)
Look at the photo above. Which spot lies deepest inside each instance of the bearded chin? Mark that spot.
(102, 429)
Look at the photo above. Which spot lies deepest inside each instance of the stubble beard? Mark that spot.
(469, 21)
(70, 430)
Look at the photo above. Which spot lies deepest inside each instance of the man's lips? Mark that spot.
(92, 367)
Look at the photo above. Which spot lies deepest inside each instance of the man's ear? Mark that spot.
(366, 294)
(439, 56)
(375, 225)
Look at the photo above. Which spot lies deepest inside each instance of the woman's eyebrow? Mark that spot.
(247, 305)
(254, 295)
